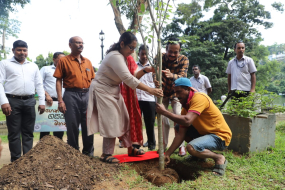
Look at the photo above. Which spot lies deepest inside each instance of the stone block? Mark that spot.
(251, 134)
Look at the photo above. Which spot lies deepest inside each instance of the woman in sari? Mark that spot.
(107, 112)
(132, 104)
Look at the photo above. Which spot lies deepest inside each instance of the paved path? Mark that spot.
(5, 159)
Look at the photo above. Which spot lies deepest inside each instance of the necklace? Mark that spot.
(240, 66)
(197, 79)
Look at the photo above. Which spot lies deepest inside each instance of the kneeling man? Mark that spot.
(201, 124)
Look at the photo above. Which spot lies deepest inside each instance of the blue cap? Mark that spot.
(183, 82)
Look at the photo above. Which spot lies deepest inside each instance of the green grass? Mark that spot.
(2, 116)
(263, 170)
(5, 137)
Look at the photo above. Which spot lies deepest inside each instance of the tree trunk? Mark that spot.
(226, 53)
(134, 23)
(159, 116)
(118, 20)
(3, 44)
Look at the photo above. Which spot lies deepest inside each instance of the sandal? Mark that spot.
(136, 152)
(109, 159)
(220, 169)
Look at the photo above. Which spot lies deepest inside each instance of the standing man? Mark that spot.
(76, 72)
(241, 72)
(49, 86)
(174, 66)
(200, 82)
(201, 124)
(18, 80)
(146, 100)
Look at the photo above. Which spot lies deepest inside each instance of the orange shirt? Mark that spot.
(210, 119)
(74, 74)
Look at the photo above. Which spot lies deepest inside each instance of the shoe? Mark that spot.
(151, 147)
(120, 145)
(145, 144)
(182, 151)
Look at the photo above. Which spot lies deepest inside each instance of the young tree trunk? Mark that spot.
(159, 116)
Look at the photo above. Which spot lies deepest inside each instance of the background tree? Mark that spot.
(7, 6)
(122, 8)
(42, 61)
(211, 41)
(8, 27)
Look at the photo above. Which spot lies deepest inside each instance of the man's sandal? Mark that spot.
(220, 169)
(136, 152)
(108, 158)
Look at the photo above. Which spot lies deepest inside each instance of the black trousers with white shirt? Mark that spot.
(21, 123)
(148, 111)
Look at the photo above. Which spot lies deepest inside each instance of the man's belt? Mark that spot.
(20, 97)
(77, 89)
(53, 99)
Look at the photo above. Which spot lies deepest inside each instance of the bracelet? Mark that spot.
(60, 102)
(144, 71)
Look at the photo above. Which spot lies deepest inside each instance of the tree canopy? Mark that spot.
(9, 5)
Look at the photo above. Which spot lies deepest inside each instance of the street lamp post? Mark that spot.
(102, 37)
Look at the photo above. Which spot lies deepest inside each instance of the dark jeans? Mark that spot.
(58, 134)
(76, 107)
(21, 123)
(148, 111)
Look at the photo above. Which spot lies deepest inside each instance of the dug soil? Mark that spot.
(175, 172)
(53, 164)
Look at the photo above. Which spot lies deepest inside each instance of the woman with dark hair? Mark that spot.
(107, 112)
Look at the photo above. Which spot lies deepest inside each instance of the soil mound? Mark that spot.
(53, 164)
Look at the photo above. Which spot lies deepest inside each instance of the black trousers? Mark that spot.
(148, 111)
(58, 134)
(76, 108)
(20, 125)
(241, 94)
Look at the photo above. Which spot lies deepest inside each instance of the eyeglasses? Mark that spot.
(131, 48)
(78, 43)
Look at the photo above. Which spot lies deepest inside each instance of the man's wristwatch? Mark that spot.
(145, 71)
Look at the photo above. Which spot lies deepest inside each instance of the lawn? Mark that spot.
(2, 116)
(264, 170)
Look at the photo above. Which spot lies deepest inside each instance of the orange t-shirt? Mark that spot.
(210, 119)
(74, 74)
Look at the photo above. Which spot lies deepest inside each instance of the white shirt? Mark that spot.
(49, 80)
(147, 80)
(20, 80)
(201, 83)
(240, 71)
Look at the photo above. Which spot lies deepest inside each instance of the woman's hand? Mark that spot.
(156, 92)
